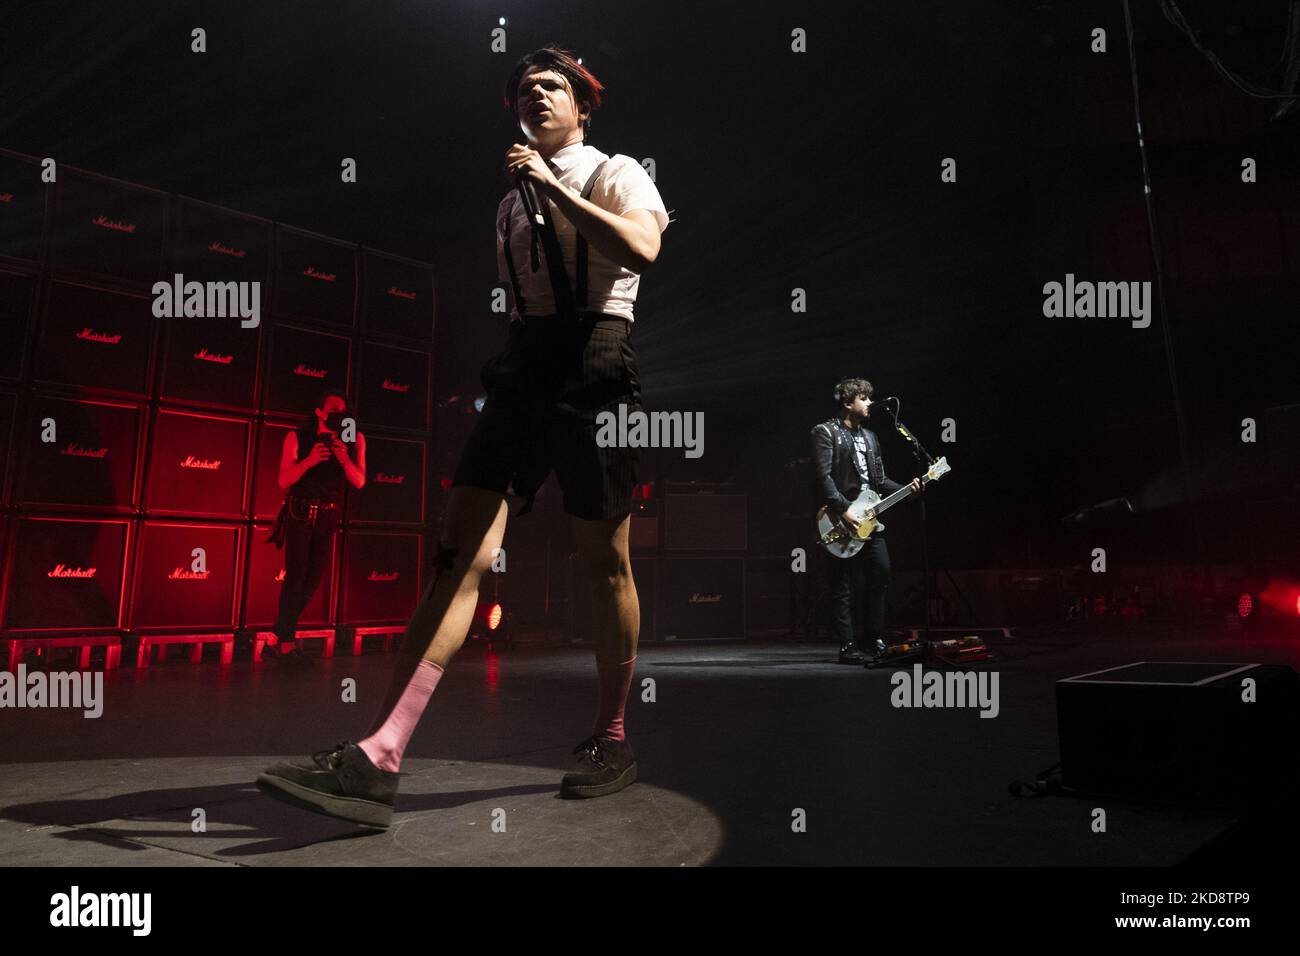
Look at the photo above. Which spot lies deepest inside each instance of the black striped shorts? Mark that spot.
(543, 395)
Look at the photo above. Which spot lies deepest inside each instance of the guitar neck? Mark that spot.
(892, 499)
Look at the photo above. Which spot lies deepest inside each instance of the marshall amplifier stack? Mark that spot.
(141, 429)
(702, 575)
(689, 560)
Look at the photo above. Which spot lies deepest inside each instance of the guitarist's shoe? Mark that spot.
(852, 655)
(876, 658)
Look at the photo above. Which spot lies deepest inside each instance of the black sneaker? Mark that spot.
(343, 783)
(604, 766)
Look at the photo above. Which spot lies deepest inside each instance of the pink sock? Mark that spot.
(384, 747)
(615, 681)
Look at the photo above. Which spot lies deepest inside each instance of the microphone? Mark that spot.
(528, 192)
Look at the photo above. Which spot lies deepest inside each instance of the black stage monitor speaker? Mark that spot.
(92, 462)
(65, 574)
(197, 465)
(1180, 731)
(702, 598)
(96, 339)
(174, 586)
(705, 522)
(1031, 598)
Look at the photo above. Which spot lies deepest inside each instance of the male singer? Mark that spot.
(846, 456)
(568, 357)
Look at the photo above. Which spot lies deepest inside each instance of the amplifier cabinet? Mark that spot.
(705, 522)
(65, 574)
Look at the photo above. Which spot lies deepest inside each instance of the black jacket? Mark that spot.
(834, 470)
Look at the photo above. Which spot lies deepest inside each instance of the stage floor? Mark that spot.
(737, 739)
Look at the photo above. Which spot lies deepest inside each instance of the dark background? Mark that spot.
(782, 170)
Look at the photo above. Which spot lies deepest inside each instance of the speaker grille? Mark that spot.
(705, 523)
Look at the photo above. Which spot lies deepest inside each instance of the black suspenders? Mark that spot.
(564, 295)
(581, 251)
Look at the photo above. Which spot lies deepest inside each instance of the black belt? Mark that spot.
(598, 320)
(314, 507)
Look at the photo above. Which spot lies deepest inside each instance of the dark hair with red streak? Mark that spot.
(586, 88)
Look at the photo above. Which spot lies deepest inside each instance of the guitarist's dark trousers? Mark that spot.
(859, 592)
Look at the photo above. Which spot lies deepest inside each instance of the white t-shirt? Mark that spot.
(860, 454)
(623, 185)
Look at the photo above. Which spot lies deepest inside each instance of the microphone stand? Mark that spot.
(923, 462)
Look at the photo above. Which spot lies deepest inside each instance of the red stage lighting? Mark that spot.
(489, 617)
(1282, 597)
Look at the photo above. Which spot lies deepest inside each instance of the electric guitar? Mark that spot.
(842, 541)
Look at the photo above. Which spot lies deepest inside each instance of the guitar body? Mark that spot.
(867, 507)
(841, 541)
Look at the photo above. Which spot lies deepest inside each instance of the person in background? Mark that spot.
(318, 458)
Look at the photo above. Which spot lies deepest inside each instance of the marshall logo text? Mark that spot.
(63, 571)
(107, 338)
(83, 452)
(105, 223)
(207, 464)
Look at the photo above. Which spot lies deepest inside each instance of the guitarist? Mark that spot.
(846, 457)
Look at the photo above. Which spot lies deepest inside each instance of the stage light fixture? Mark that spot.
(1245, 605)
